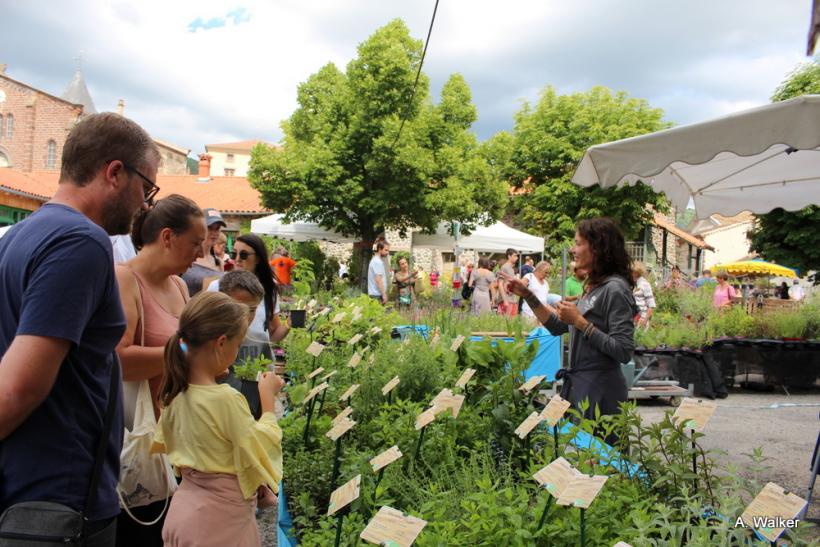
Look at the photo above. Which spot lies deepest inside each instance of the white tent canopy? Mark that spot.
(755, 160)
(496, 238)
(274, 226)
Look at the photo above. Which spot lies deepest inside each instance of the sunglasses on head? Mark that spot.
(241, 255)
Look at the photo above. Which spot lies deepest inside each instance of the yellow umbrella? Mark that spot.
(755, 267)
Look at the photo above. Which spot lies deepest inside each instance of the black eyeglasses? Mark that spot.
(243, 255)
(149, 187)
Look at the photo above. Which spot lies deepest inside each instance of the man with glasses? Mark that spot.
(60, 320)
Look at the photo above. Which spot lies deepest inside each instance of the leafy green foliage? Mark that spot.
(249, 369)
(342, 166)
(548, 141)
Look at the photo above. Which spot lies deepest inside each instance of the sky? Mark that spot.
(208, 71)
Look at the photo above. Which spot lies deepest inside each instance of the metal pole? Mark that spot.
(583, 529)
(694, 461)
(555, 439)
(544, 513)
(336, 460)
(339, 520)
(307, 425)
(418, 445)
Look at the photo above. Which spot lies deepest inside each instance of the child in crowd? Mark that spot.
(226, 458)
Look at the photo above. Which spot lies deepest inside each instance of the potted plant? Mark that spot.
(248, 372)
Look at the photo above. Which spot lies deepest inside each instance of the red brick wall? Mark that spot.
(38, 118)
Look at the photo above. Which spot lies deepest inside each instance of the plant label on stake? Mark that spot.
(355, 360)
(315, 373)
(555, 410)
(344, 495)
(357, 310)
(556, 476)
(390, 386)
(315, 349)
(340, 428)
(349, 393)
(329, 375)
(457, 343)
(343, 414)
(530, 384)
(528, 425)
(393, 528)
(622, 544)
(772, 511)
(434, 341)
(426, 418)
(324, 311)
(385, 458)
(312, 303)
(465, 377)
(371, 358)
(694, 413)
(338, 317)
(582, 491)
(314, 392)
(445, 400)
(355, 339)
(375, 330)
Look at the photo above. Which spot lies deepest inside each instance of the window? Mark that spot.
(12, 215)
(229, 172)
(9, 126)
(51, 157)
(229, 159)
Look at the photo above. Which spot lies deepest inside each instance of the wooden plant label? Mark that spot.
(457, 343)
(314, 392)
(316, 373)
(344, 495)
(393, 528)
(338, 317)
(465, 377)
(315, 349)
(772, 511)
(448, 401)
(340, 428)
(434, 341)
(622, 544)
(528, 425)
(390, 386)
(530, 384)
(355, 339)
(357, 310)
(556, 476)
(426, 418)
(349, 393)
(375, 330)
(355, 360)
(356, 317)
(694, 413)
(329, 375)
(311, 303)
(441, 396)
(555, 409)
(324, 311)
(342, 415)
(582, 491)
(385, 458)
(371, 358)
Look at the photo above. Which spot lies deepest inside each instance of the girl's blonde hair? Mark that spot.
(638, 268)
(206, 317)
(543, 265)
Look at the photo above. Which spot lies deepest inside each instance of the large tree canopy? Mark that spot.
(344, 165)
(792, 238)
(549, 139)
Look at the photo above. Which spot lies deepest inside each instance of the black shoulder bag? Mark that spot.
(45, 523)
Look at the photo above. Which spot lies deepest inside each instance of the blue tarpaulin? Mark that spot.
(548, 359)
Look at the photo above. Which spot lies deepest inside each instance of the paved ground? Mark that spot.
(785, 426)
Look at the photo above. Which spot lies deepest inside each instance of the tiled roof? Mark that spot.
(662, 222)
(241, 145)
(228, 194)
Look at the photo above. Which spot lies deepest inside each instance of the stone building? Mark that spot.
(231, 159)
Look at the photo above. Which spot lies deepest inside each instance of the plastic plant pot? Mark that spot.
(297, 319)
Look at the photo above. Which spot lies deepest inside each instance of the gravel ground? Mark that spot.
(786, 427)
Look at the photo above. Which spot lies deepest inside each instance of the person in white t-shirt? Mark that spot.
(796, 291)
(536, 281)
(377, 273)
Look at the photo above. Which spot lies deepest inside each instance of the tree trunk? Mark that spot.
(364, 249)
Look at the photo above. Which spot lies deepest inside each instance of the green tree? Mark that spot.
(549, 139)
(344, 164)
(792, 238)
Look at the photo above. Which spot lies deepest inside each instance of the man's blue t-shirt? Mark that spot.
(57, 280)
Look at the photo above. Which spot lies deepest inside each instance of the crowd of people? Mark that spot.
(112, 351)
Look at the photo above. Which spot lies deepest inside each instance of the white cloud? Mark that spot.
(238, 80)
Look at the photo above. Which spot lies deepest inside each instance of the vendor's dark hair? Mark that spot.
(175, 212)
(484, 262)
(609, 255)
(263, 272)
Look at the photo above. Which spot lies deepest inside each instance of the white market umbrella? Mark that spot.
(274, 226)
(495, 238)
(755, 160)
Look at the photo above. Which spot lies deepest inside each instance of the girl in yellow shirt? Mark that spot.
(225, 457)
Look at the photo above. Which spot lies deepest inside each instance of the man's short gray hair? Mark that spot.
(243, 280)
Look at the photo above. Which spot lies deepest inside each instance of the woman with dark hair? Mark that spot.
(601, 326)
(168, 239)
(251, 255)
